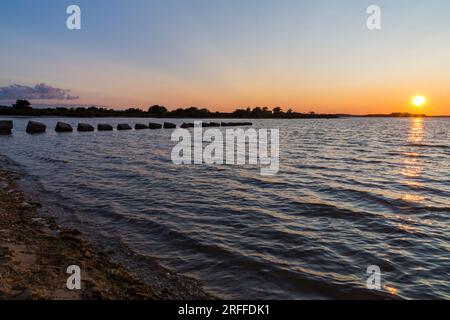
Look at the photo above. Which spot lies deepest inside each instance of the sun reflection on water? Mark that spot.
(416, 132)
(413, 164)
(392, 290)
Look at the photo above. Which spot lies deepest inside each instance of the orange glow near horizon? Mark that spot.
(357, 105)
(316, 91)
(334, 100)
(323, 88)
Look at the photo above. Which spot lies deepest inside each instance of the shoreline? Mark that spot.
(216, 118)
(35, 253)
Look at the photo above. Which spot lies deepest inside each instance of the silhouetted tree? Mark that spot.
(191, 112)
(259, 112)
(22, 105)
(157, 110)
(277, 111)
(241, 113)
(133, 110)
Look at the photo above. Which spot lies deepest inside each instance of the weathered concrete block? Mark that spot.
(187, 125)
(6, 126)
(36, 127)
(63, 127)
(84, 127)
(104, 127)
(154, 125)
(140, 126)
(168, 125)
(123, 126)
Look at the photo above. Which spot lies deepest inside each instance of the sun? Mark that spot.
(419, 101)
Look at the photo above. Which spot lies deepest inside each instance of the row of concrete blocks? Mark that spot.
(37, 127)
(216, 124)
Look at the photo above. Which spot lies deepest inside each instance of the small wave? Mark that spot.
(425, 145)
(53, 160)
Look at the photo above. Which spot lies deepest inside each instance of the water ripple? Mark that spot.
(350, 193)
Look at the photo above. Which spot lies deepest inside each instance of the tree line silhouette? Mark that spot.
(24, 108)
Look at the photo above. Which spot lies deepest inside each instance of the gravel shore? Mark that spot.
(35, 253)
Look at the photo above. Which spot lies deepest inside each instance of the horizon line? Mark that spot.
(230, 112)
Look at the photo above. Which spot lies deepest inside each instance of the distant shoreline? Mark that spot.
(158, 112)
(24, 108)
(218, 117)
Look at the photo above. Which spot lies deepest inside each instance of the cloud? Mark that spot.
(40, 91)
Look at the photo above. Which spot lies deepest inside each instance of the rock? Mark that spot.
(26, 205)
(88, 253)
(104, 127)
(187, 125)
(63, 127)
(6, 126)
(123, 126)
(154, 126)
(36, 127)
(84, 127)
(139, 126)
(38, 220)
(168, 125)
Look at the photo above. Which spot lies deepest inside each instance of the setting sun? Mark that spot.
(419, 101)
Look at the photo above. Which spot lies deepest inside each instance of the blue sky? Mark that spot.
(227, 53)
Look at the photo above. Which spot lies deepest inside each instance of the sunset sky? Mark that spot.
(222, 54)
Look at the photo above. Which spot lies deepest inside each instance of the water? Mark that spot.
(350, 193)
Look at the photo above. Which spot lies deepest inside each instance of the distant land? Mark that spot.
(24, 108)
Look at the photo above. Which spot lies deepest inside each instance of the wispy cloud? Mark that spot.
(40, 91)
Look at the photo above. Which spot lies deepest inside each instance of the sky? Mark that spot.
(223, 54)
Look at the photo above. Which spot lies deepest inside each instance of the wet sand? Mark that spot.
(35, 253)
